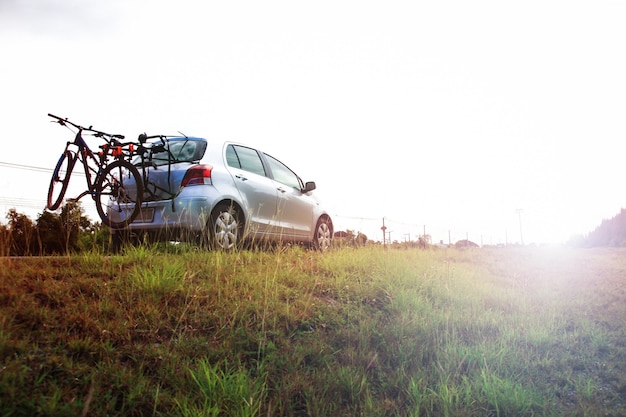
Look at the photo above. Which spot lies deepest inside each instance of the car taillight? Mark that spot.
(197, 175)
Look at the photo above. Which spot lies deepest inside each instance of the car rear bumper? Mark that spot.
(184, 213)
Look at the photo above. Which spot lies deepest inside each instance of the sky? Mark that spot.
(497, 121)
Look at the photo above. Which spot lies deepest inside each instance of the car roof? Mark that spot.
(185, 138)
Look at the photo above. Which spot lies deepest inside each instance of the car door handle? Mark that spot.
(241, 177)
(282, 190)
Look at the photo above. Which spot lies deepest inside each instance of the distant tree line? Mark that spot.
(611, 232)
(350, 237)
(52, 233)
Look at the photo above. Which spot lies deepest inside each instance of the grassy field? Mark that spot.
(290, 332)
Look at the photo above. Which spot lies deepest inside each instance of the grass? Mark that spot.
(163, 331)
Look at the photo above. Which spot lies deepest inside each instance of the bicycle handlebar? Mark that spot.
(141, 141)
(113, 142)
(97, 133)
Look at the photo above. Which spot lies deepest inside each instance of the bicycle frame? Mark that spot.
(84, 154)
(150, 187)
(106, 173)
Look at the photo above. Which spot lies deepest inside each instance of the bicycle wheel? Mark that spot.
(118, 194)
(60, 179)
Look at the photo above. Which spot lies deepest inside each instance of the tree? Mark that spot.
(21, 234)
(355, 238)
(73, 221)
(5, 248)
(51, 234)
(60, 233)
(611, 232)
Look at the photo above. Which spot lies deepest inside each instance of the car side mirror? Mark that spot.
(309, 186)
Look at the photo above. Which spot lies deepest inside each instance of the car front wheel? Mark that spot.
(226, 227)
(323, 234)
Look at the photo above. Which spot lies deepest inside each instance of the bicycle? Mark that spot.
(152, 155)
(116, 187)
(144, 154)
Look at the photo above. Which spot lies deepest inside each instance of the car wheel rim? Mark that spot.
(323, 236)
(226, 228)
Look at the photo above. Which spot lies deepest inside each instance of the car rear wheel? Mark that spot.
(323, 234)
(226, 227)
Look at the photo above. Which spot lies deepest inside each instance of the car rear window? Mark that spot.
(175, 150)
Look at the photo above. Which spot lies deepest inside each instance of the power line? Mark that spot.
(36, 169)
(377, 219)
(26, 167)
(23, 202)
(357, 217)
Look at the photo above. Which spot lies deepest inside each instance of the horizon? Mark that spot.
(451, 115)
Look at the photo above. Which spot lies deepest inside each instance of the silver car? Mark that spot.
(222, 194)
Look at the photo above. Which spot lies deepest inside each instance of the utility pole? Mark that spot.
(519, 215)
(384, 234)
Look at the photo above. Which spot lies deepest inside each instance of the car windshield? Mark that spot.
(174, 150)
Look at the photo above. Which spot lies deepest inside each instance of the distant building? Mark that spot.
(465, 244)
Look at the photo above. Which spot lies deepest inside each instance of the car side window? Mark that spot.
(231, 157)
(244, 158)
(283, 174)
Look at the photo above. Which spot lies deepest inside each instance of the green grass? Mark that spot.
(177, 331)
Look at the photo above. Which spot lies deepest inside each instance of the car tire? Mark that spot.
(323, 237)
(117, 242)
(121, 238)
(226, 228)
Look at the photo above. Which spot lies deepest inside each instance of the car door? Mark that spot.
(295, 208)
(257, 190)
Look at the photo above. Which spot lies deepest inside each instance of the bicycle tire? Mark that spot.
(60, 180)
(119, 190)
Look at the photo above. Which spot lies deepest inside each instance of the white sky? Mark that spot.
(449, 114)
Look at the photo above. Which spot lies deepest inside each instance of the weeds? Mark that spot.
(171, 330)
(229, 391)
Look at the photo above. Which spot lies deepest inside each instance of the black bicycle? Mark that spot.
(152, 154)
(114, 183)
